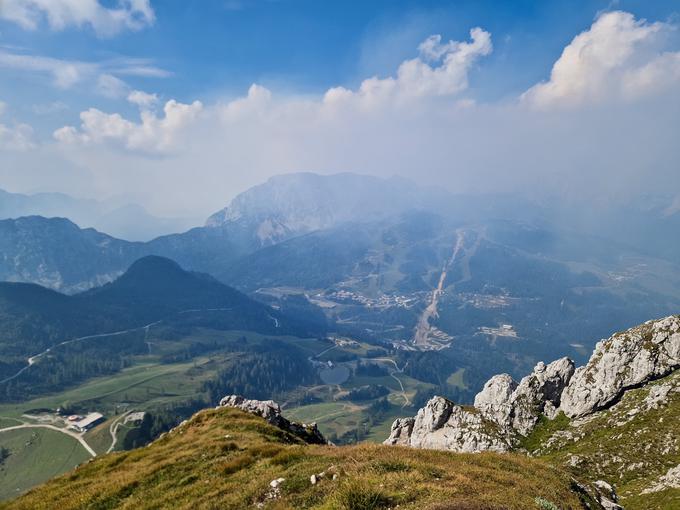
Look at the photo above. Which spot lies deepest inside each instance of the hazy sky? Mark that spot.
(183, 104)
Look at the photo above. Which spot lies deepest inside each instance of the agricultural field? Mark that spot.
(36, 455)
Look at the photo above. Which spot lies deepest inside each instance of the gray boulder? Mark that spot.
(623, 361)
(443, 425)
(517, 407)
(494, 401)
(271, 411)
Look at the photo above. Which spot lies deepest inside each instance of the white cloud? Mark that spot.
(152, 134)
(417, 78)
(422, 123)
(64, 73)
(618, 58)
(60, 14)
(112, 87)
(103, 77)
(142, 99)
(15, 138)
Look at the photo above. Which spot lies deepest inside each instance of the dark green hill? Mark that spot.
(153, 290)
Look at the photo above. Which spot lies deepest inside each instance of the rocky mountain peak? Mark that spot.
(506, 410)
(623, 361)
(298, 203)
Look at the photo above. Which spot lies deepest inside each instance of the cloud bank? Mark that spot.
(603, 125)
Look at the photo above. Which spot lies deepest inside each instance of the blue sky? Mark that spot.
(213, 51)
(217, 48)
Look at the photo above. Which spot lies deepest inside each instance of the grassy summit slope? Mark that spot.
(631, 445)
(226, 458)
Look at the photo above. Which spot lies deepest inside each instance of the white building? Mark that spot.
(87, 422)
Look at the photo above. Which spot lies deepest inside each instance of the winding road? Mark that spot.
(113, 430)
(74, 435)
(31, 361)
(397, 370)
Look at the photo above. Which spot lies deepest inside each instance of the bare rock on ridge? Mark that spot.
(623, 361)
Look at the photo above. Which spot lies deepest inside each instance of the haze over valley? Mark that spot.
(426, 257)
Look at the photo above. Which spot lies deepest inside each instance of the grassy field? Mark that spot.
(99, 438)
(458, 379)
(36, 456)
(226, 459)
(143, 383)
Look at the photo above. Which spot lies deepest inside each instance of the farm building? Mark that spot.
(87, 422)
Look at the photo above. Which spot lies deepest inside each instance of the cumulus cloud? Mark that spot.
(422, 122)
(417, 78)
(617, 58)
(142, 99)
(153, 134)
(60, 14)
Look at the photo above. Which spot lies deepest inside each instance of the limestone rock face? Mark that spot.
(494, 401)
(623, 361)
(504, 409)
(543, 386)
(401, 431)
(443, 425)
(271, 411)
(516, 407)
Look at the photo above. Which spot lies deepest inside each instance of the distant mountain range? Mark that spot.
(370, 252)
(118, 218)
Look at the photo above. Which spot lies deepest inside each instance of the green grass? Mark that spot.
(331, 417)
(630, 451)
(226, 459)
(8, 422)
(458, 379)
(36, 456)
(99, 438)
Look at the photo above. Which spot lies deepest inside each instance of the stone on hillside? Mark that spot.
(517, 407)
(671, 480)
(443, 425)
(544, 385)
(625, 360)
(494, 399)
(271, 411)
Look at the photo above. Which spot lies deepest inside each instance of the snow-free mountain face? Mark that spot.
(116, 217)
(294, 204)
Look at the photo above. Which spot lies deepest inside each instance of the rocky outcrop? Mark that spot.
(517, 407)
(443, 425)
(671, 480)
(505, 410)
(623, 361)
(495, 399)
(271, 412)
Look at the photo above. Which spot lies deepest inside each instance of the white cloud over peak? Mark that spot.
(153, 134)
(421, 122)
(416, 78)
(60, 14)
(617, 58)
